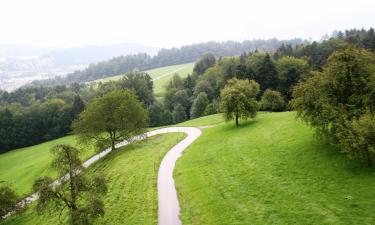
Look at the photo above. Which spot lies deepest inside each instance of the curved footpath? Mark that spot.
(169, 209)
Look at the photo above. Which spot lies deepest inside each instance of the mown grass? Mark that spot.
(271, 170)
(131, 174)
(19, 168)
(212, 120)
(161, 76)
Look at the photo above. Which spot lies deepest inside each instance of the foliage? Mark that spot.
(158, 115)
(8, 200)
(266, 74)
(357, 139)
(82, 196)
(199, 105)
(141, 84)
(238, 99)
(204, 86)
(179, 114)
(290, 71)
(272, 101)
(204, 63)
(114, 117)
(345, 91)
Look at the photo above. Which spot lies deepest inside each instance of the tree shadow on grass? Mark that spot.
(231, 125)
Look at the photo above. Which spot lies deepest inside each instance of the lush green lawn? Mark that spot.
(212, 120)
(132, 182)
(161, 75)
(21, 167)
(271, 171)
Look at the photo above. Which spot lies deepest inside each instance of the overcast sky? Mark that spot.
(167, 23)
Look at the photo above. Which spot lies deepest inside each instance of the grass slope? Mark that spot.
(132, 182)
(22, 166)
(271, 170)
(161, 75)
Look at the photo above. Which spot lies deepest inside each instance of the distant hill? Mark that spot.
(96, 53)
(167, 57)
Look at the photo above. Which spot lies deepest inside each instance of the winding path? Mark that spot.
(169, 209)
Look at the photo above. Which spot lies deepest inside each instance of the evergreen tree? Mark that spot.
(266, 74)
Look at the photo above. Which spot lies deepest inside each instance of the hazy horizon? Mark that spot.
(168, 23)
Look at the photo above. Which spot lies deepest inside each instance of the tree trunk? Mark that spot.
(236, 119)
(369, 161)
(113, 145)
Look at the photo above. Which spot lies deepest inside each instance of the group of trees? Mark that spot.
(31, 116)
(317, 53)
(166, 57)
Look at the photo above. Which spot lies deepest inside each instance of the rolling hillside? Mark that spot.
(270, 170)
(131, 174)
(22, 166)
(161, 75)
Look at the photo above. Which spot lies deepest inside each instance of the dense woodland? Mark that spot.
(31, 115)
(167, 57)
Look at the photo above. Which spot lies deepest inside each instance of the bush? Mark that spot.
(8, 200)
(272, 101)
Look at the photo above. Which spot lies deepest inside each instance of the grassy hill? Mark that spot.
(131, 173)
(270, 170)
(161, 75)
(22, 166)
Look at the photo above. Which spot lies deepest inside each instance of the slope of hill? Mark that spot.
(22, 166)
(270, 170)
(131, 173)
(160, 75)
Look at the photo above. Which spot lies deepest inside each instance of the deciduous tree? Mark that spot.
(238, 99)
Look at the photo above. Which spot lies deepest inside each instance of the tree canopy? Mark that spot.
(113, 117)
(238, 99)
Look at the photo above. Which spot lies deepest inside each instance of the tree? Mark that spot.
(158, 115)
(141, 84)
(81, 195)
(114, 117)
(332, 100)
(290, 71)
(78, 106)
(272, 101)
(204, 63)
(204, 86)
(6, 129)
(199, 105)
(266, 74)
(179, 114)
(8, 200)
(238, 99)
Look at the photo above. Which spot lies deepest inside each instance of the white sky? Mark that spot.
(167, 23)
